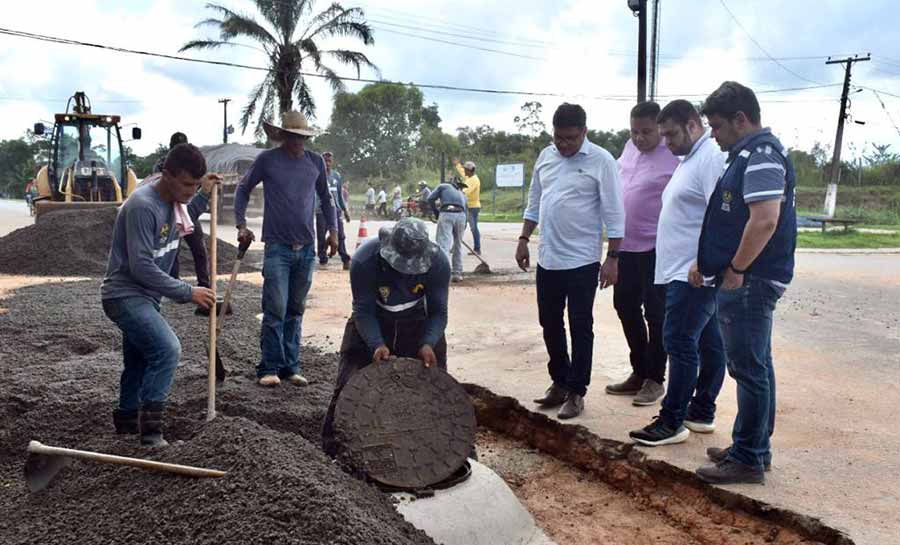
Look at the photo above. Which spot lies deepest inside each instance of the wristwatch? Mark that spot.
(613, 254)
(735, 270)
(524, 239)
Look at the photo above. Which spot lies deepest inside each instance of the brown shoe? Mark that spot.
(631, 386)
(650, 394)
(347, 265)
(553, 397)
(269, 381)
(573, 406)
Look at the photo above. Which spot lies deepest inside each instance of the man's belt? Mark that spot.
(451, 208)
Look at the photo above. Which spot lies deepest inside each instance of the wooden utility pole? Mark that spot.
(639, 9)
(224, 102)
(835, 171)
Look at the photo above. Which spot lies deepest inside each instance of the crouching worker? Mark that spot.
(145, 242)
(400, 283)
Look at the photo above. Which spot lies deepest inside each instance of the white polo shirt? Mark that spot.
(572, 198)
(683, 208)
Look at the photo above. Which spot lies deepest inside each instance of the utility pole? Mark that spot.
(639, 9)
(835, 173)
(654, 49)
(224, 102)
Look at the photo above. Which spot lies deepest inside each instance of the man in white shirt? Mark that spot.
(370, 199)
(575, 191)
(691, 334)
(382, 202)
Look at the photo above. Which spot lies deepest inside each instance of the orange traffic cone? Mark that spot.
(363, 233)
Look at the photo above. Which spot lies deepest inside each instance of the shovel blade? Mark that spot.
(40, 469)
(482, 268)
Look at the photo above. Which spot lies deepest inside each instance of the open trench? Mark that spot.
(59, 363)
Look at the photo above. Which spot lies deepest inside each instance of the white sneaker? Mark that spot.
(269, 381)
(297, 380)
(700, 427)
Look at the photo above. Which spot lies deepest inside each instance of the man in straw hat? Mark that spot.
(400, 283)
(291, 178)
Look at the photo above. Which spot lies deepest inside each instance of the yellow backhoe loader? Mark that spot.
(86, 164)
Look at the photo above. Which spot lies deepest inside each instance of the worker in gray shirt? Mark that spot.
(291, 176)
(451, 215)
(146, 235)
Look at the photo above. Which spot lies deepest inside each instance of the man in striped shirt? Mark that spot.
(747, 244)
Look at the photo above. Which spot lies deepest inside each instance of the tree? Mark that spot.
(530, 121)
(17, 166)
(375, 130)
(289, 50)
(881, 156)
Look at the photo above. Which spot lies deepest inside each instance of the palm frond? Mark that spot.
(237, 24)
(305, 101)
(203, 44)
(252, 101)
(283, 15)
(312, 51)
(208, 22)
(355, 59)
(344, 23)
(265, 113)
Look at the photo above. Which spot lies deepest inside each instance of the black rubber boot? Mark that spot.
(151, 418)
(126, 422)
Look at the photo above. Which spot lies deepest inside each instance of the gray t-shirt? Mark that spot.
(144, 248)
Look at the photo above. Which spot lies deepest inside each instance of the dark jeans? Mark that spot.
(577, 287)
(322, 238)
(745, 315)
(641, 306)
(473, 225)
(403, 341)
(694, 342)
(198, 253)
(287, 277)
(150, 351)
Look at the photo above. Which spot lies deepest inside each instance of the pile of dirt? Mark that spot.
(76, 243)
(59, 366)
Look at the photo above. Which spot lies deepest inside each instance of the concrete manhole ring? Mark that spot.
(403, 424)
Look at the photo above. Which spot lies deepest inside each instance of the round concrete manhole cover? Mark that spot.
(404, 425)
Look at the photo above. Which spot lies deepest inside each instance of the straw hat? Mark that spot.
(292, 122)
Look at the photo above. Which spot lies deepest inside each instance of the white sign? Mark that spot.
(512, 175)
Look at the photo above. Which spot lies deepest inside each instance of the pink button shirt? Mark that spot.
(644, 177)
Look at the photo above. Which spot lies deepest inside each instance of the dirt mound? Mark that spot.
(59, 369)
(76, 243)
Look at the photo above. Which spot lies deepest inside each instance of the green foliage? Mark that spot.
(18, 164)
(850, 239)
(143, 166)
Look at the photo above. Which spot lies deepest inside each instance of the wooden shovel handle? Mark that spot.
(40, 448)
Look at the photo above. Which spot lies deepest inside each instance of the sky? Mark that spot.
(583, 50)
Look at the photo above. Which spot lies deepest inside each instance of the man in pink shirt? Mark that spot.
(645, 167)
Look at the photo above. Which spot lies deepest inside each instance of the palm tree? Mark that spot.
(288, 49)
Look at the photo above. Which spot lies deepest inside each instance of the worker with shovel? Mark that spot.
(147, 232)
(449, 205)
(400, 283)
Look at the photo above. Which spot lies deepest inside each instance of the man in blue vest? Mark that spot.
(747, 248)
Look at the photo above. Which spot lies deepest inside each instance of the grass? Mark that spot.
(850, 239)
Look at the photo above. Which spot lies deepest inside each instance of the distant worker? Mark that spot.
(645, 168)
(370, 200)
(397, 199)
(422, 199)
(336, 187)
(382, 202)
(473, 198)
(291, 176)
(747, 243)
(144, 242)
(400, 283)
(194, 240)
(451, 223)
(575, 191)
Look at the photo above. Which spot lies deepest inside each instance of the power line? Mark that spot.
(761, 48)
(886, 111)
(66, 41)
(457, 44)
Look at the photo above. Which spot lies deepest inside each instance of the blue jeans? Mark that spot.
(473, 224)
(745, 315)
(150, 351)
(287, 275)
(694, 343)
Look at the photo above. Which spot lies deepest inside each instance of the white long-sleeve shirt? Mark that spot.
(572, 199)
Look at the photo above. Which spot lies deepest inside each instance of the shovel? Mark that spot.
(226, 304)
(483, 267)
(44, 462)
